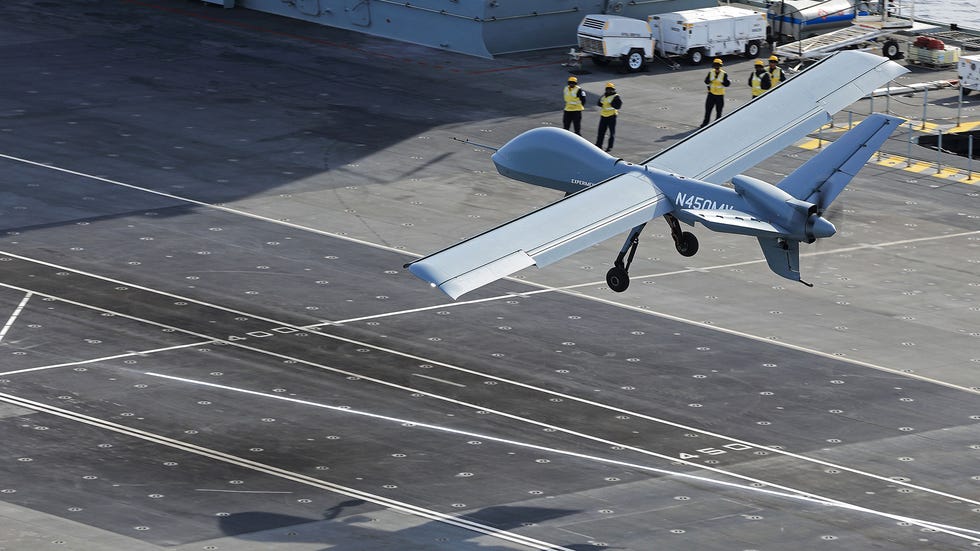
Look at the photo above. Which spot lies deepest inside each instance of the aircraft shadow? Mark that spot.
(350, 529)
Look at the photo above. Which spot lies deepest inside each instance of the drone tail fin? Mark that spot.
(821, 179)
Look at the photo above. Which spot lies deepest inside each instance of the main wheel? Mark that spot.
(752, 49)
(617, 279)
(688, 245)
(635, 61)
(695, 56)
(890, 50)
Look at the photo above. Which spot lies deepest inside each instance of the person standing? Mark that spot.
(775, 73)
(574, 105)
(759, 80)
(610, 103)
(716, 81)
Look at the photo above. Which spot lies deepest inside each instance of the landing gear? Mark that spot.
(684, 241)
(688, 245)
(618, 277)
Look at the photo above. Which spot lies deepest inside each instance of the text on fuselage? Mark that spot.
(694, 202)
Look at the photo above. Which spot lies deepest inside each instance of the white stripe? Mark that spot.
(438, 380)
(208, 205)
(105, 358)
(542, 287)
(460, 522)
(239, 344)
(239, 491)
(13, 317)
(788, 492)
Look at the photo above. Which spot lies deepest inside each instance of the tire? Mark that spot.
(695, 56)
(600, 60)
(890, 50)
(966, 91)
(687, 247)
(617, 279)
(752, 49)
(635, 62)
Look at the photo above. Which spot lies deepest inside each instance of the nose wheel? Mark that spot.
(618, 279)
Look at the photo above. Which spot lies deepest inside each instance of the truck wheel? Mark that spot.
(752, 49)
(890, 50)
(634, 61)
(600, 60)
(695, 56)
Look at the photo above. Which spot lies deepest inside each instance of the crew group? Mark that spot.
(760, 80)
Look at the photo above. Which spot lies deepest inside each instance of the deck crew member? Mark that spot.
(574, 105)
(775, 73)
(610, 103)
(717, 81)
(759, 80)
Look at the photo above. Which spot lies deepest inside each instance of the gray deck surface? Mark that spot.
(208, 340)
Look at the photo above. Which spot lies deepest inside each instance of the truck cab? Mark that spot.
(609, 38)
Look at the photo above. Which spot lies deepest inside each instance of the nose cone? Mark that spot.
(822, 227)
(554, 158)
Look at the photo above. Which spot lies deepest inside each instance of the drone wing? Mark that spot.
(777, 118)
(545, 235)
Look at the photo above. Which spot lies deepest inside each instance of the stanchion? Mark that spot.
(908, 157)
(925, 101)
(969, 158)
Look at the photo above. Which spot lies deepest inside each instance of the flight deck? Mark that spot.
(208, 340)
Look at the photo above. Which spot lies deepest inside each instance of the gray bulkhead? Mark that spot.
(481, 28)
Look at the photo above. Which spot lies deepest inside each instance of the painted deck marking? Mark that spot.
(438, 380)
(13, 317)
(784, 491)
(104, 358)
(459, 522)
(493, 377)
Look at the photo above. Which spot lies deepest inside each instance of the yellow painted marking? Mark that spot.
(924, 168)
(947, 173)
(810, 144)
(835, 127)
(890, 160)
(918, 166)
(965, 127)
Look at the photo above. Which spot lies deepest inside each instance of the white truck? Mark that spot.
(969, 73)
(613, 37)
(709, 32)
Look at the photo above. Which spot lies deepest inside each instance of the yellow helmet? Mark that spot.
(717, 61)
(773, 58)
(610, 85)
(758, 63)
(573, 79)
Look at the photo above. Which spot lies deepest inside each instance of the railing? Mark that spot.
(912, 146)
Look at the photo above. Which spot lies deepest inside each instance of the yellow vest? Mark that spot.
(775, 75)
(756, 81)
(572, 101)
(607, 108)
(716, 85)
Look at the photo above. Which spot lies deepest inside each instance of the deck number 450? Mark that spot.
(734, 446)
